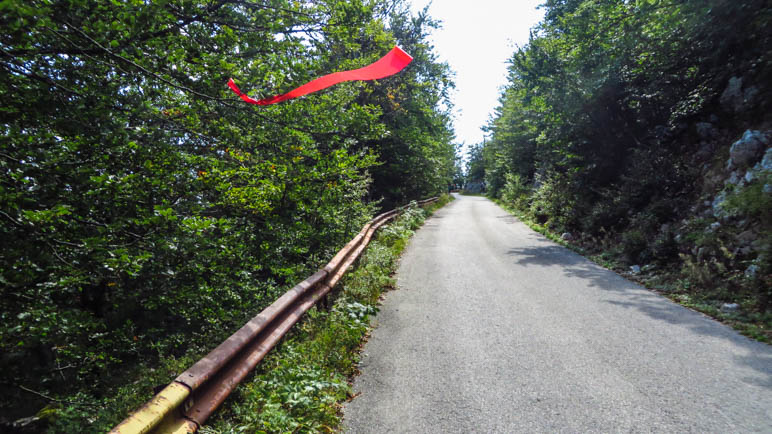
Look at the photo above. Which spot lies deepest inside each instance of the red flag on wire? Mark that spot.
(390, 64)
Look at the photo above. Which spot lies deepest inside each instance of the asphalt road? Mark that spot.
(493, 328)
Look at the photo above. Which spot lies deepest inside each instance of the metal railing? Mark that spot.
(185, 404)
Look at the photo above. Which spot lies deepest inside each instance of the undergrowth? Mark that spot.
(300, 385)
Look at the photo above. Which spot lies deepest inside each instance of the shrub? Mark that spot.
(553, 202)
(634, 245)
(515, 192)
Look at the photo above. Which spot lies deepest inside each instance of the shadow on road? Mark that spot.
(634, 296)
(508, 219)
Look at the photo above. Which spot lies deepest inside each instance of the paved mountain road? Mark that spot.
(496, 329)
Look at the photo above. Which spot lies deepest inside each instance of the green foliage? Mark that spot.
(515, 191)
(598, 133)
(752, 200)
(602, 89)
(552, 202)
(146, 212)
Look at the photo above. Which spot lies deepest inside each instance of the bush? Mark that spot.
(634, 245)
(606, 213)
(515, 192)
(553, 202)
(665, 248)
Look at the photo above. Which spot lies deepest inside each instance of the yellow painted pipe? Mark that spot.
(177, 425)
(152, 413)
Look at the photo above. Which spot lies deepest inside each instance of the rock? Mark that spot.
(767, 188)
(715, 225)
(717, 205)
(732, 98)
(729, 307)
(566, 236)
(716, 179)
(766, 162)
(648, 267)
(635, 269)
(747, 150)
(750, 175)
(734, 178)
(751, 271)
(705, 130)
(749, 96)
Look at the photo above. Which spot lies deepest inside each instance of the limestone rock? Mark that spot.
(734, 178)
(766, 161)
(747, 150)
(717, 205)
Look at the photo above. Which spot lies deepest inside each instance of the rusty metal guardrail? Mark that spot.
(184, 405)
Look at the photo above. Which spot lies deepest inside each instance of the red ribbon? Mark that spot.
(390, 64)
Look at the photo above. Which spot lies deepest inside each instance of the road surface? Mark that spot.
(493, 328)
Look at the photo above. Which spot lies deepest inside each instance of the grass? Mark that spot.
(301, 385)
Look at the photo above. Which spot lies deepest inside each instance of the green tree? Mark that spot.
(146, 211)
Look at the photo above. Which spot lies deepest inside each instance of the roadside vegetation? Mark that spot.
(146, 212)
(302, 383)
(639, 132)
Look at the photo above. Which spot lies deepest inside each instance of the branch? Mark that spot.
(140, 67)
(52, 399)
(27, 73)
(16, 222)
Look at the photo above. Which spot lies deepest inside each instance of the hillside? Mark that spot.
(640, 132)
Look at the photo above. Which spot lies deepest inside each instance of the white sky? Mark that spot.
(476, 39)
